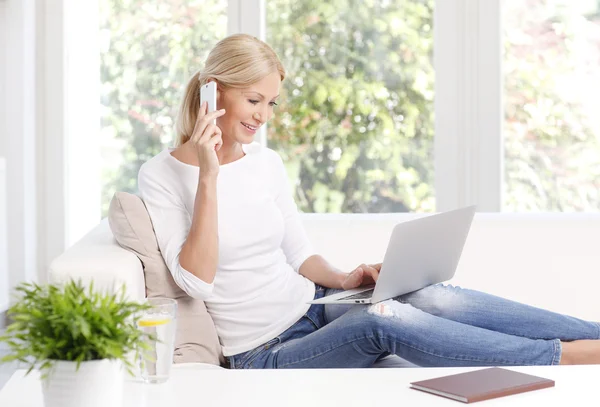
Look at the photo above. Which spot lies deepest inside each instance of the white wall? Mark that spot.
(18, 143)
(4, 293)
(49, 123)
(3, 241)
(68, 124)
(82, 113)
(51, 58)
(2, 73)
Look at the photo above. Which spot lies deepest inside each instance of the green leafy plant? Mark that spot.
(71, 323)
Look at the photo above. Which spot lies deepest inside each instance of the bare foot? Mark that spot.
(582, 352)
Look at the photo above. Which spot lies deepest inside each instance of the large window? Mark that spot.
(148, 52)
(355, 123)
(552, 125)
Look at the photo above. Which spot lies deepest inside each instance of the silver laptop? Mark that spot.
(421, 252)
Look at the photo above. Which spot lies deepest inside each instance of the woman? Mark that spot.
(229, 231)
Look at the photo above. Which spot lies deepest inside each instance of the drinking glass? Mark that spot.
(160, 322)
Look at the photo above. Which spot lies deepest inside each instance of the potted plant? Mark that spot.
(81, 340)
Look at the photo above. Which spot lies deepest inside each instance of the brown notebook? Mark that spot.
(482, 384)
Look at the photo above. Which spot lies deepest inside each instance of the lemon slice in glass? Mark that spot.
(154, 322)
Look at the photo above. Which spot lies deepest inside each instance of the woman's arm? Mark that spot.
(174, 228)
(171, 221)
(317, 269)
(189, 247)
(200, 252)
(298, 250)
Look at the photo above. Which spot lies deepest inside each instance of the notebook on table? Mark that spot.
(482, 384)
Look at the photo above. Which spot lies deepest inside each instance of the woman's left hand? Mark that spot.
(365, 274)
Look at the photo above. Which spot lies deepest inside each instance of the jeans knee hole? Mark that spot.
(383, 309)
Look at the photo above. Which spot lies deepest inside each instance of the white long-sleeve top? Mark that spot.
(257, 292)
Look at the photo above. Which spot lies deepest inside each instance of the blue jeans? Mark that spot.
(440, 325)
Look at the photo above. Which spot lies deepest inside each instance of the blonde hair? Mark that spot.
(237, 61)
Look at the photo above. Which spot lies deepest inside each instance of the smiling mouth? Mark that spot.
(253, 128)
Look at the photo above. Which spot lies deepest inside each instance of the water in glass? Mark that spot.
(160, 322)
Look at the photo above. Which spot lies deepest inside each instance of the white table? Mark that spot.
(196, 385)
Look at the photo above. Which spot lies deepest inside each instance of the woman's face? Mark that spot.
(247, 109)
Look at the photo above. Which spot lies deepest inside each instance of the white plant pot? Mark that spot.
(98, 383)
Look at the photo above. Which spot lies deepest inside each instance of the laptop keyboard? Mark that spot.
(359, 296)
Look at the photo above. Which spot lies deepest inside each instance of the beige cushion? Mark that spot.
(196, 338)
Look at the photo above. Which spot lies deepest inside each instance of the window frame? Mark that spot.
(468, 148)
(468, 144)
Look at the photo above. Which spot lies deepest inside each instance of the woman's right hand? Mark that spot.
(207, 140)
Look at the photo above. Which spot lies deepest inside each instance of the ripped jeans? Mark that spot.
(439, 326)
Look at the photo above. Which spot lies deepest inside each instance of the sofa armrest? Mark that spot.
(98, 257)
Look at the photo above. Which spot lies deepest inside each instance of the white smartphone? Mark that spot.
(208, 93)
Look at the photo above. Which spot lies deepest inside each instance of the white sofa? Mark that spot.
(546, 260)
